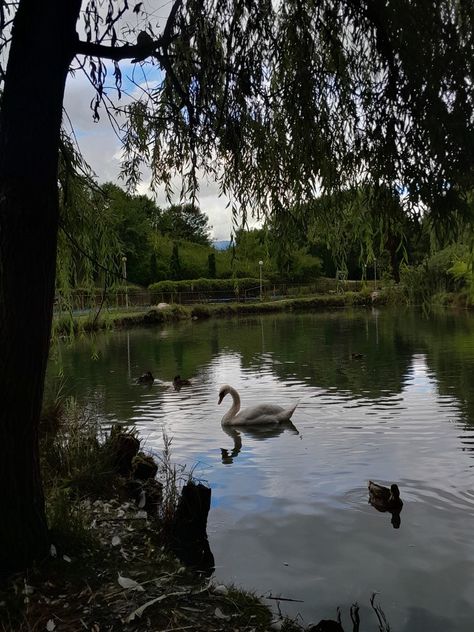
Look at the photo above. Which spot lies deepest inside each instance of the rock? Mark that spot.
(124, 447)
(144, 467)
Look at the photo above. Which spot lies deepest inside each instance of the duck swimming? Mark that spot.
(386, 499)
(260, 414)
(179, 383)
(146, 378)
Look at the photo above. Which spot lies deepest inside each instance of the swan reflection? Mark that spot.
(258, 432)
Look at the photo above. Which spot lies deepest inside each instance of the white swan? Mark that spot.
(261, 414)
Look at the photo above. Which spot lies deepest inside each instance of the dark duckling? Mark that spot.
(386, 499)
(178, 382)
(357, 356)
(146, 378)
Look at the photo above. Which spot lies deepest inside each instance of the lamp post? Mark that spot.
(124, 274)
(260, 263)
(375, 273)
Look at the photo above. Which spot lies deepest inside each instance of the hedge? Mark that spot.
(204, 285)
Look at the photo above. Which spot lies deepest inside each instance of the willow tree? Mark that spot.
(280, 101)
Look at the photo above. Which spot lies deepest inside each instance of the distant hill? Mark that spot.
(221, 245)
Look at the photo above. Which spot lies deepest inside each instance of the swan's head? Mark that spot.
(224, 390)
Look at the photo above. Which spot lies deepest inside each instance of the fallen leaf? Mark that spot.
(220, 615)
(129, 584)
(139, 611)
(66, 558)
(52, 551)
(116, 540)
(221, 590)
(50, 626)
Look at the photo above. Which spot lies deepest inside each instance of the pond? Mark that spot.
(382, 395)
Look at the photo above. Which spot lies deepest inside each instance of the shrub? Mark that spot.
(170, 291)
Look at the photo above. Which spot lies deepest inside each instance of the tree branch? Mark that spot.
(130, 51)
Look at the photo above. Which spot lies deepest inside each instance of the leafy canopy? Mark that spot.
(285, 101)
(299, 98)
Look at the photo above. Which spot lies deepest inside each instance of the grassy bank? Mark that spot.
(111, 564)
(65, 325)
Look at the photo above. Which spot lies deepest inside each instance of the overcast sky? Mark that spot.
(100, 146)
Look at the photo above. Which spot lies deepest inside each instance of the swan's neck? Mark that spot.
(234, 409)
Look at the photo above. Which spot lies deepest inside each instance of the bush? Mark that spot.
(226, 288)
(444, 272)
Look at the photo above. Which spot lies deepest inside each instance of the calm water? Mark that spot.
(289, 512)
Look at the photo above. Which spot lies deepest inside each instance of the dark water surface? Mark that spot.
(289, 512)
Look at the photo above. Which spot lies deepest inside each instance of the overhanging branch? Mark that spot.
(116, 53)
(130, 51)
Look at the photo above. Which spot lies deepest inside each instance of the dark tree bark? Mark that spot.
(43, 43)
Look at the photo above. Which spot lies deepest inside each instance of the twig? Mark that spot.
(383, 625)
(284, 599)
(355, 617)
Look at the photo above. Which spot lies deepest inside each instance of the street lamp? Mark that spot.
(375, 273)
(124, 274)
(260, 263)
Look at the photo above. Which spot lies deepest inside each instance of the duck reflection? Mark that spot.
(259, 432)
(386, 499)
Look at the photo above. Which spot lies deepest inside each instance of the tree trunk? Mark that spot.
(30, 119)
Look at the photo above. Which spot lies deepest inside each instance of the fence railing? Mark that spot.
(142, 298)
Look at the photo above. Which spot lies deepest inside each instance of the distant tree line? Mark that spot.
(174, 243)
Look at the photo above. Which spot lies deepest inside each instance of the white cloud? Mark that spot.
(101, 148)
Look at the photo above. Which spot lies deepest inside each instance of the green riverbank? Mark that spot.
(66, 324)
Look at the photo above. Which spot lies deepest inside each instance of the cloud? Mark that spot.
(101, 148)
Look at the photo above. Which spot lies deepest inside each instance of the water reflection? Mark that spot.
(402, 412)
(258, 432)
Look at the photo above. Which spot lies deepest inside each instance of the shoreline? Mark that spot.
(67, 324)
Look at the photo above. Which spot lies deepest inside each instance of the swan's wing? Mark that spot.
(285, 415)
(263, 414)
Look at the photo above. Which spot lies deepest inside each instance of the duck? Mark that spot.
(254, 415)
(146, 378)
(385, 498)
(357, 356)
(178, 382)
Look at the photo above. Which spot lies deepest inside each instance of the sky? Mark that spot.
(100, 146)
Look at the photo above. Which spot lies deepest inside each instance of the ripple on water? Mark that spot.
(399, 415)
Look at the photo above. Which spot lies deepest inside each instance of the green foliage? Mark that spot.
(234, 286)
(175, 265)
(132, 215)
(445, 271)
(297, 97)
(185, 222)
(211, 263)
(89, 248)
